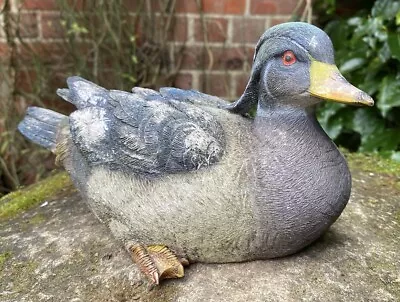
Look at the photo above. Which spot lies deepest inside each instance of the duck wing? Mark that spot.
(144, 132)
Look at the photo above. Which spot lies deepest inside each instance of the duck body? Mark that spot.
(191, 172)
(270, 194)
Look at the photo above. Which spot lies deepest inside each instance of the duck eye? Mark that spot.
(288, 58)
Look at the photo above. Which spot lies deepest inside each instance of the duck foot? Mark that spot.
(157, 262)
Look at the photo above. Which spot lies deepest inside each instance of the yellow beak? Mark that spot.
(327, 82)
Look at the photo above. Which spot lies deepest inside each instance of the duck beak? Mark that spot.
(327, 82)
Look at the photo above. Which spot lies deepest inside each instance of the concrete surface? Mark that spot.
(58, 251)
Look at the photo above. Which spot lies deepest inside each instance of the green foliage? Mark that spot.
(368, 54)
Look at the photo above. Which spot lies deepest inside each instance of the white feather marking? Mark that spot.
(92, 125)
(314, 42)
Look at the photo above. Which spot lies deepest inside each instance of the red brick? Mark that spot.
(47, 5)
(4, 50)
(263, 7)
(135, 5)
(59, 104)
(183, 81)
(25, 81)
(248, 30)
(138, 30)
(216, 29)
(28, 27)
(250, 54)
(80, 5)
(266, 7)
(288, 6)
(278, 20)
(192, 57)
(155, 31)
(212, 6)
(51, 26)
(224, 6)
(20, 104)
(222, 58)
(108, 79)
(40, 4)
(49, 52)
(186, 6)
(228, 58)
(241, 82)
(58, 79)
(179, 30)
(215, 84)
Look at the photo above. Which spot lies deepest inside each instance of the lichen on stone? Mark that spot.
(26, 198)
(3, 258)
(372, 163)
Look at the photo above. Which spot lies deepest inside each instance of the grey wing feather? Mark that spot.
(90, 129)
(145, 132)
(193, 96)
(83, 93)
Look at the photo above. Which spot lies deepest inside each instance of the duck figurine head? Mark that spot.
(294, 66)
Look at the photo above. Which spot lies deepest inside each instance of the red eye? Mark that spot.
(288, 58)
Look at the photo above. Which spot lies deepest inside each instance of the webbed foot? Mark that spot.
(157, 262)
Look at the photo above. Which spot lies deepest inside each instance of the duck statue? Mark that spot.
(180, 176)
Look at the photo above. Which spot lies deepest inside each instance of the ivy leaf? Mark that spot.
(384, 53)
(333, 127)
(366, 122)
(367, 125)
(352, 64)
(387, 9)
(394, 44)
(374, 136)
(389, 94)
(398, 18)
(330, 120)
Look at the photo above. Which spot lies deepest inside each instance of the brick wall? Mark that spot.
(219, 66)
(233, 28)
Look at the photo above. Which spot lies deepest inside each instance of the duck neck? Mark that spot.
(288, 123)
(301, 180)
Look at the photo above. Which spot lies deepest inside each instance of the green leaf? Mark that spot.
(337, 30)
(384, 53)
(355, 21)
(333, 127)
(386, 9)
(374, 136)
(369, 85)
(367, 125)
(327, 110)
(352, 64)
(334, 118)
(394, 44)
(398, 18)
(366, 122)
(389, 94)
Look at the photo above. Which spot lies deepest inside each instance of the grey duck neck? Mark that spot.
(301, 180)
